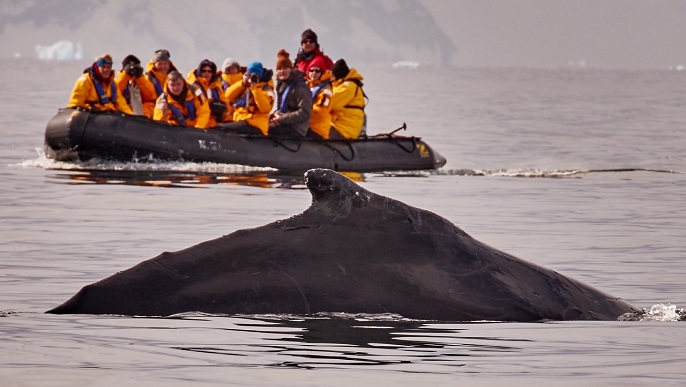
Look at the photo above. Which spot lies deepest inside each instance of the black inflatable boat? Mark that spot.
(76, 134)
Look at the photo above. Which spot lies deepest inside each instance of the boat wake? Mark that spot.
(138, 166)
(193, 174)
(541, 173)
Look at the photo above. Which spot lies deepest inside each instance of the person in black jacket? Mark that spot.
(294, 101)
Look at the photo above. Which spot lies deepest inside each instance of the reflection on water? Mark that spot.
(173, 179)
(188, 179)
(365, 350)
(343, 342)
(193, 175)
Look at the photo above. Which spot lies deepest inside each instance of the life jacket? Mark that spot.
(242, 101)
(283, 108)
(155, 82)
(190, 107)
(359, 88)
(212, 94)
(102, 96)
(127, 94)
(318, 88)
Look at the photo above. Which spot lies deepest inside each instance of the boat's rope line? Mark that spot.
(280, 143)
(408, 150)
(335, 150)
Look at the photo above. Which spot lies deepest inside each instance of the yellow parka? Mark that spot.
(85, 95)
(195, 111)
(252, 105)
(211, 90)
(158, 80)
(148, 95)
(322, 91)
(347, 105)
(229, 79)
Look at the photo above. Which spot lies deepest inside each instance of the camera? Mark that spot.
(137, 70)
(134, 70)
(254, 78)
(218, 109)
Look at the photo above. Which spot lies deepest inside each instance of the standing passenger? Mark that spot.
(348, 102)
(97, 90)
(178, 105)
(320, 84)
(136, 89)
(309, 49)
(294, 100)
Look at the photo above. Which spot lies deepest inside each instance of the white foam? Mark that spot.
(662, 312)
(44, 162)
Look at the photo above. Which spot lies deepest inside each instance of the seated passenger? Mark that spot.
(347, 103)
(204, 81)
(252, 99)
(231, 73)
(320, 85)
(178, 105)
(294, 101)
(157, 69)
(136, 89)
(309, 49)
(97, 90)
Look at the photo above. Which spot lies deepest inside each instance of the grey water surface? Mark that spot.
(578, 170)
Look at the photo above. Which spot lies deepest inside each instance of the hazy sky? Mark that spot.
(525, 33)
(551, 33)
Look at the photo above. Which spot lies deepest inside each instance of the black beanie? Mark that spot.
(340, 69)
(309, 34)
(130, 58)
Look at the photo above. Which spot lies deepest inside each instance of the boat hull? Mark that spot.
(76, 134)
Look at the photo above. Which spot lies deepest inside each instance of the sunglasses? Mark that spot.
(315, 70)
(308, 41)
(206, 70)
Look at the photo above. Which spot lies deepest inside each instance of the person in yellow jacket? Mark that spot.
(348, 102)
(136, 89)
(231, 73)
(157, 71)
(97, 90)
(253, 99)
(205, 82)
(179, 105)
(322, 92)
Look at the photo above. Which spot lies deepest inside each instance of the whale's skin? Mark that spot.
(351, 251)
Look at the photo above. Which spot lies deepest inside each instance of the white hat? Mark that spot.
(228, 62)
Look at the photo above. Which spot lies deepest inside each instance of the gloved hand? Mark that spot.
(218, 109)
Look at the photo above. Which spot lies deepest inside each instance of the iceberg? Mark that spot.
(405, 64)
(62, 50)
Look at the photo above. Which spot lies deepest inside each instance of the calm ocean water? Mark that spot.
(579, 170)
